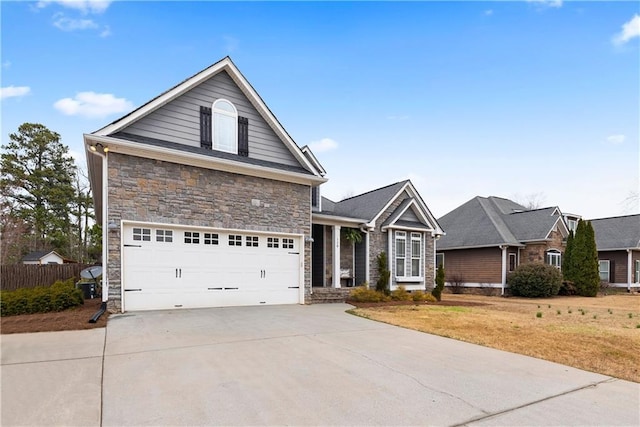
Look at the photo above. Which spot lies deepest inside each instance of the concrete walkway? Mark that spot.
(291, 365)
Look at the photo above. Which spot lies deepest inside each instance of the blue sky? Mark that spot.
(525, 100)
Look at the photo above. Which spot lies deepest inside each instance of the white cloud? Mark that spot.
(14, 91)
(325, 144)
(630, 30)
(616, 139)
(84, 6)
(93, 105)
(547, 3)
(69, 24)
(488, 12)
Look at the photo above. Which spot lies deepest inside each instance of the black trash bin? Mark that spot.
(88, 290)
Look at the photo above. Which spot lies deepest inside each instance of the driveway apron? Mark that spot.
(317, 365)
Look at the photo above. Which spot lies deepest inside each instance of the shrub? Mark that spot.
(535, 281)
(567, 288)
(539, 314)
(421, 296)
(437, 291)
(400, 294)
(457, 284)
(367, 295)
(59, 296)
(382, 285)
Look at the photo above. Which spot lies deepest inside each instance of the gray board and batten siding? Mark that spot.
(178, 121)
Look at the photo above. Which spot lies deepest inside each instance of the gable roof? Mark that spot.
(371, 205)
(617, 233)
(495, 221)
(38, 255)
(226, 65)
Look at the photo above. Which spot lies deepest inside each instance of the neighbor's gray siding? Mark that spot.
(179, 120)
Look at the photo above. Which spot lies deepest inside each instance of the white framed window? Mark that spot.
(416, 255)
(637, 271)
(164, 236)
(225, 126)
(513, 262)
(210, 238)
(604, 267)
(287, 243)
(439, 260)
(192, 237)
(235, 240)
(401, 252)
(554, 258)
(251, 241)
(273, 242)
(142, 234)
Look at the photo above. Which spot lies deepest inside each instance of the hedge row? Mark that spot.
(58, 297)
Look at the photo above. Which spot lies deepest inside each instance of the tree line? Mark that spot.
(46, 201)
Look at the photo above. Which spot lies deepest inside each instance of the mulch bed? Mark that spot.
(69, 320)
(443, 303)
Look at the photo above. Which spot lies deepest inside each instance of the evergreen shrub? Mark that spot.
(535, 281)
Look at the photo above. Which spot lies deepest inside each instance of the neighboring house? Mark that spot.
(618, 243)
(488, 237)
(205, 201)
(392, 219)
(43, 257)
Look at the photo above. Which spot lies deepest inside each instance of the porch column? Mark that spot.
(366, 258)
(504, 268)
(629, 267)
(336, 256)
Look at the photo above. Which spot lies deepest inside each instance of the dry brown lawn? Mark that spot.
(595, 334)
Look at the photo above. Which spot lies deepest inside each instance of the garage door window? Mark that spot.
(287, 243)
(210, 239)
(235, 240)
(164, 236)
(273, 242)
(142, 234)
(251, 241)
(192, 237)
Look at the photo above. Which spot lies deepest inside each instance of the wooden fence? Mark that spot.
(19, 276)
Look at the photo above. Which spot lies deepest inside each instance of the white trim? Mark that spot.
(367, 255)
(564, 227)
(222, 112)
(314, 161)
(504, 268)
(335, 276)
(224, 64)
(199, 160)
(423, 207)
(318, 218)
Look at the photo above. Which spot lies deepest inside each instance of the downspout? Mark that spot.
(367, 275)
(389, 263)
(504, 268)
(105, 236)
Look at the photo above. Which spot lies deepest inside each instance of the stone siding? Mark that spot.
(149, 190)
(534, 253)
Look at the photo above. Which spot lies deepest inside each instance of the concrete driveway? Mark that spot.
(299, 365)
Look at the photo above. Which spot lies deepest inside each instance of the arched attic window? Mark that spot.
(225, 126)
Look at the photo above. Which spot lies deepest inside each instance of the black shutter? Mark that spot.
(612, 271)
(243, 136)
(205, 127)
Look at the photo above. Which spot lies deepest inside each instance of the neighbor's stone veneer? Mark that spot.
(156, 191)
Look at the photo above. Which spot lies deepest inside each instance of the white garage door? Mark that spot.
(167, 267)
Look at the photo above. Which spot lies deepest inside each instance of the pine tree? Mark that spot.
(585, 261)
(567, 260)
(36, 183)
